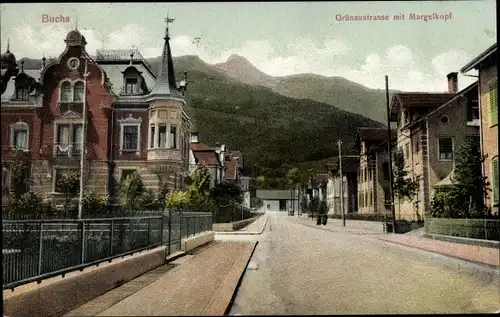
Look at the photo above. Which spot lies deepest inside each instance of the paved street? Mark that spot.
(298, 269)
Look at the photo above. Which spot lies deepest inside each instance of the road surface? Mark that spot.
(301, 270)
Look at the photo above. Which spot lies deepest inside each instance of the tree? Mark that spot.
(133, 189)
(465, 197)
(294, 177)
(199, 190)
(404, 188)
(226, 193)
(177, 199)
(69, 185)
(20, 170)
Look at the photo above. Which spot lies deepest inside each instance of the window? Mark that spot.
(385, 170)
(445, 120)
(130, 138)
(472, 110)
(5, 181)
(162, 130)
(152, 137)
(173, 137)
(367, 202)
(66, 92)
(406, 117)
(59, 172)
(131, 86)
(19, 136)
(69, 139)
(407, 151)
(22, 93)
(445, 146)
(78, 92)
(417, 145)
(493, 101)
(495, 181)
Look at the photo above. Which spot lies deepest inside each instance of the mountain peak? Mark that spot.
(239, 67)
(237, 58)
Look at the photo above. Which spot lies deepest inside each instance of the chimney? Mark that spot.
(452, 83)
(194, 137)
(217, 144)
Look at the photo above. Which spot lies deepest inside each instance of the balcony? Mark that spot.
(64, 150)
(164, 154)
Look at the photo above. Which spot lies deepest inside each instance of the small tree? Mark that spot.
(404, 188)
(19, 170)
(133, 189)
(199, 190)
(94, 204)
(177, 200)
(464, 198)
(69, 185)
(226, 193)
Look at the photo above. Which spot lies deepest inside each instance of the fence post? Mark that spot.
(111, 237)
(40, 250)
(162, 228)
(170, 230)
(149, 232)
(83, 242)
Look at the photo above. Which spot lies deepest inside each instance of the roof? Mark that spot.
(239, 155)
(208, 158)
(166, 84)
(268, 194)
(421, 99)
(200, 147)
(323, 177)
(374, 135)
(114, 72)
(10, 90)
(230, 168)
(458, 95)
(480, 58)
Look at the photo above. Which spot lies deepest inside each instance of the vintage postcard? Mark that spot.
(249, 158)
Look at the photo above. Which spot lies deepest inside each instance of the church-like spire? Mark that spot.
(8, 45)
(165, 82)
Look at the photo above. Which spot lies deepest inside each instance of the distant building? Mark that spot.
(278, 200)
(486, 64)
(211, 157)
(348, 191)
(373, 172)
(431, 127)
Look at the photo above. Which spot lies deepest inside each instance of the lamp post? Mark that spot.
(389, 149)
(84, 134)
(341, 183)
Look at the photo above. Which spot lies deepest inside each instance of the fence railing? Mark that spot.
(486, 229)
(37, 249)
(232, 213)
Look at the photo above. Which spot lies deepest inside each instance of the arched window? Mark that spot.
(66, 92)
(19, 133)
(78, 92)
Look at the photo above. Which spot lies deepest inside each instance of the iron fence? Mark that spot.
(232, 213)
(37, 249)
(486, 229)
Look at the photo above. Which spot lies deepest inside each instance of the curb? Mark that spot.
(491, 266)
(470, 241)
(243, 232)
(233, 297)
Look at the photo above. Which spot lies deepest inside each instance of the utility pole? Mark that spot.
(341, 183)
(389, 149)
(84, 135)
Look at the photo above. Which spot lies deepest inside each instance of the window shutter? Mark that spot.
(493, 101)
(495, 180)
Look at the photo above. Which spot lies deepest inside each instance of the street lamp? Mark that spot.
(84, 134)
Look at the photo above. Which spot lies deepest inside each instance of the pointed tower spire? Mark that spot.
(8, 45)
(165, 81)
(76, 23)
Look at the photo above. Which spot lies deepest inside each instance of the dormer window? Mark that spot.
(131, 86)
(22, 93)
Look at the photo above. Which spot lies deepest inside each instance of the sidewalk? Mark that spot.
(472, 253)
(256, 227)
(195, 285)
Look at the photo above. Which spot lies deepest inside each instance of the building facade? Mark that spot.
(373, 172)
(431, 127)
(486, 65)
(135, 121)
(348, 191)
(278, 200)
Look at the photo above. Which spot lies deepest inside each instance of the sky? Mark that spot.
(280, 39)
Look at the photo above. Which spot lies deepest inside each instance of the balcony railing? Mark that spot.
(120, 55)
(164, 154)
(70, 150)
